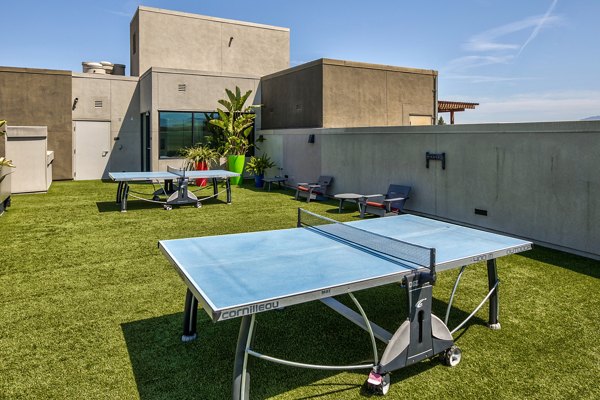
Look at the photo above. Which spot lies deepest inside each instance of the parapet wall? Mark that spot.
(534, 180)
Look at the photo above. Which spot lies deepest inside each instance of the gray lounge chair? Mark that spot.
(314, 191)
(392, 203)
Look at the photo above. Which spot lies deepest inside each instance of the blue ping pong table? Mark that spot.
(240, 275)
(175, 186)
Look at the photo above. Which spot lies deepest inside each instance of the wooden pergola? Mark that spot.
(454, 106)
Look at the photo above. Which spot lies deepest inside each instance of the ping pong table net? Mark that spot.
(176, 171)
(402, 253)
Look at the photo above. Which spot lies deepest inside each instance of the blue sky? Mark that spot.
(534, 60)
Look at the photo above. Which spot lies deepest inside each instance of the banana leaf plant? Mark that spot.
(235, 122)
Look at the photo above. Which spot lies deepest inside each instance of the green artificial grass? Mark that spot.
(91, 309)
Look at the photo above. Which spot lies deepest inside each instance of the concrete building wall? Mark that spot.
(171, 39)
(120, 105)
(332, 93)
(134, 46)
(536, 180)
(39, 97)
(359, 94)
(160, 89)
(293, 98)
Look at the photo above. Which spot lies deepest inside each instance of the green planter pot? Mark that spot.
(236, 164)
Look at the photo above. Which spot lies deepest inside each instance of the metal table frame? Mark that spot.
(175, 188)
(418, 285)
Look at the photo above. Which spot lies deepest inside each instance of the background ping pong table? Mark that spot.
(241, 275)
(174, 186)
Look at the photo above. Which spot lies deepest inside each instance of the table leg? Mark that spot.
(341, 206)
(228, 187)
(124, 194)
(119, 192)
(241, 378)
(493, 322)
(190, 316)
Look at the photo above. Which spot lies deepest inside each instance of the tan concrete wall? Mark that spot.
(332, 93)
(120, 106)
(134, 46)
(293, 98)
(38, 97)
(146, 92)
(536, 180)
(160, 90)
(179, 40)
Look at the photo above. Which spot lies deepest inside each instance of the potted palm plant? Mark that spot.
(258, 166)
(235, 124)
(199, 158)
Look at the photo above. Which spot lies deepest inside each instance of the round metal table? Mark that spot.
(348, 196)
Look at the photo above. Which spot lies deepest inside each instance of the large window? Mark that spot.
(178, 130)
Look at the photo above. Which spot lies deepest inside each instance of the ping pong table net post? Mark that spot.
(403, 253)
(177, 171)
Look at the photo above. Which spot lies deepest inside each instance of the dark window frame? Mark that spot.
(192, 113)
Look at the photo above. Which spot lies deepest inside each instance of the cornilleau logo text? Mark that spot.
(518, 249)
(253, 309)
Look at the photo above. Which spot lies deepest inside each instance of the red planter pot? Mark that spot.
(201, 166)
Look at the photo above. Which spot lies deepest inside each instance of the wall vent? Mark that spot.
(98, 103)
(182, 87)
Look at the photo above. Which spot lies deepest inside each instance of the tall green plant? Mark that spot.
(235, 122)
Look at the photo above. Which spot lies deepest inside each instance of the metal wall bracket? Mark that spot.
(436, 157)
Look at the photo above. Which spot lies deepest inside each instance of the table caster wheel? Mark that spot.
(378, 384)
(452, 356)
(167, 207)
(198, 205)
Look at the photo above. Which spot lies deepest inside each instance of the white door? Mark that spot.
(92, 149)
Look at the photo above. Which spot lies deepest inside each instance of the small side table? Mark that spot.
(269, 181)
(348, 196)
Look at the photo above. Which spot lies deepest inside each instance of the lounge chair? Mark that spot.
(392, 203)
(314, 191)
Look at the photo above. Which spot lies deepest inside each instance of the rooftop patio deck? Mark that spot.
(89, 308)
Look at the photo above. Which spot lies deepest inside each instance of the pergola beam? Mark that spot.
(454, 106)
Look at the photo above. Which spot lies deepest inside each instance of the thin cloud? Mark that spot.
(487, 41)
(120, 13)
(493, 45)
(486, 78)
(467, 62)
(568, 105)
(547, 18)
(130, 6)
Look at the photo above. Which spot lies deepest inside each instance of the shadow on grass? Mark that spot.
(575, 263)
(132, 205)
(164, 367)
(274, 188)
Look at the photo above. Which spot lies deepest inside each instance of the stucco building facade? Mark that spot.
(181, 64)
(329, 93)
(40, 97)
